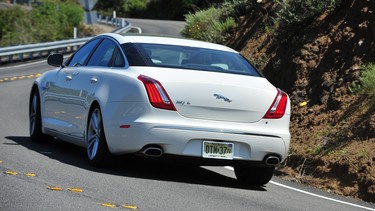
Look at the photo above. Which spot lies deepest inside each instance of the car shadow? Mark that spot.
(132, 166)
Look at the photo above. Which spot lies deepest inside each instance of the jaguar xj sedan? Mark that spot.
(163, 97)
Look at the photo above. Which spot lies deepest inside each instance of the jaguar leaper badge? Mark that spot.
(219, 96)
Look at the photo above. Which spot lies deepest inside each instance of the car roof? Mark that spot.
(140, 38)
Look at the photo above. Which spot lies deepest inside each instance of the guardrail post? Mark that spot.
(75, 33)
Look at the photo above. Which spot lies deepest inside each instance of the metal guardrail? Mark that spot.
(31, 51)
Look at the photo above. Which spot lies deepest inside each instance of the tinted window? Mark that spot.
(103, 54)
(184, 57)
(119, 60)
(132, 55)
(81, 55)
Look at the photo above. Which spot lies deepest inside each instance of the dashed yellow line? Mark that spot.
(15, 78)
(128, 206)
(11, 172)
(75, 189)
(55, 188)
(30, 174)
(110, 205)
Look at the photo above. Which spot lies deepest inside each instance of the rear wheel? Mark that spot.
(254, 175)
(35, 119)
(97, 149)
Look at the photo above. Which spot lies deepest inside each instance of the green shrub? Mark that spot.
(297, 11)
(208, 25)
(52, 20)
(236, 8)
(14, 25)
(132, 8)
(368, 80)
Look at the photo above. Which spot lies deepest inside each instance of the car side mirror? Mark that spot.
(55, 59)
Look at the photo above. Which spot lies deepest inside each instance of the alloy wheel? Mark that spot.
(93, 134)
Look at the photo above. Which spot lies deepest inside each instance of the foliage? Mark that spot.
(12, 22)
(208, 25)
(368, 80)
(134, 7)
(51, 20)
(236, 8)
(157, 9)
(297, 11)
(106, 7)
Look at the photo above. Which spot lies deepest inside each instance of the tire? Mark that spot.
(254, 175)
(35, 119)
(97, 149)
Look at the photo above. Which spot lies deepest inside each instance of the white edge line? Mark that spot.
(312, 194)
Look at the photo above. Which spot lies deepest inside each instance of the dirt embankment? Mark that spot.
(318, 62)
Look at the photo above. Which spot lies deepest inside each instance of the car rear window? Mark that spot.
(183, 57)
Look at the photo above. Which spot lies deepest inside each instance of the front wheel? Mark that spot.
(97, 149)
(254, 175)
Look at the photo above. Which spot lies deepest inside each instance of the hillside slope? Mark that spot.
(318, 62)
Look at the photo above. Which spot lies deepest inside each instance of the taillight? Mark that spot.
(278, 107)
(156, 93)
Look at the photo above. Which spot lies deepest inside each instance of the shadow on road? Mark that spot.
(132, 166)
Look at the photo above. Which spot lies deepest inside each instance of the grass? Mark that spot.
(367, 80)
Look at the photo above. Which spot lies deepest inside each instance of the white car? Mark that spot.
(160, 96)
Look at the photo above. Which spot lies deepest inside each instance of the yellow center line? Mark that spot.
(111, 205)
(19, 77)
(11, 172)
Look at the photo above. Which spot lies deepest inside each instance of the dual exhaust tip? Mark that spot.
(156, 151)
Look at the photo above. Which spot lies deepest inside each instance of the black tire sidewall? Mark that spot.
(36, 135)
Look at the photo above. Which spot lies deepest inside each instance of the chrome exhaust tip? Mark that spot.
(272, 160)
(152, 151)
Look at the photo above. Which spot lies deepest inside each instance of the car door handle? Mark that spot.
(94, 80)
(68, 77)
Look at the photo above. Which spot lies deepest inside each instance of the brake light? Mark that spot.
(156, 93)
(278, 107)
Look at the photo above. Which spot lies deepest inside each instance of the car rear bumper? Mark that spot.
(177, 135)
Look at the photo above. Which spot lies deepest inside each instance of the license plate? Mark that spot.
(218, 150)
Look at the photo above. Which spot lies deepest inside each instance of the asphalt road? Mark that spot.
(145, 184)
(159, 27)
